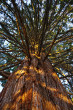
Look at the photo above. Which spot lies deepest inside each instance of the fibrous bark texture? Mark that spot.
(34, 86)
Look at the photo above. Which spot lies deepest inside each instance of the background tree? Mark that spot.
(31, 33)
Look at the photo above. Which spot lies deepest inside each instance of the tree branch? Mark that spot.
(66, 76)
(52, 43)
(23, 27)
(44, 26)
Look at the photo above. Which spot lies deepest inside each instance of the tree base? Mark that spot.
(34, 87)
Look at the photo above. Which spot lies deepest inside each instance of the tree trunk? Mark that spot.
(34, 86)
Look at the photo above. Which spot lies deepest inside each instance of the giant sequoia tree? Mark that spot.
(35, 53)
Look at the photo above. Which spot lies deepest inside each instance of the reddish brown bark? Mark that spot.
(34, 87)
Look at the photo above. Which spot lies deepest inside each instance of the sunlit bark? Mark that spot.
(34, 86)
